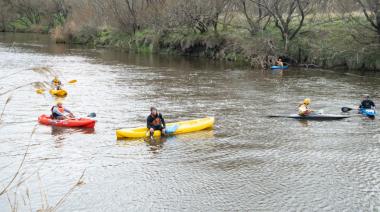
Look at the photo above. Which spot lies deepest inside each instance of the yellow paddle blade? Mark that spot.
(73, 81)
(40, 91)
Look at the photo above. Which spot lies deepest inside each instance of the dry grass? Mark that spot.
(13, 197)
(5, 105)
(58, 35)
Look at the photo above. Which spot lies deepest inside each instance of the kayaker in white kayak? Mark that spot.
(367, 103)
(58, 112)
(155, 121)
(303, 108)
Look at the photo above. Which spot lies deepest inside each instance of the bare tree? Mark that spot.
(129, 13)
(371, 11)
(255, 15)
(6, 14)
(288, 15)
(197, 14)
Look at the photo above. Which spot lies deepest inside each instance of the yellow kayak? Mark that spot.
(172, 128)
(59, 93)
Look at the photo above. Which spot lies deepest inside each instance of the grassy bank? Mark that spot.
(326, 45)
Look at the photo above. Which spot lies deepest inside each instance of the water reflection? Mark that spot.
(155, 144)
(304, 123)
(62, 132)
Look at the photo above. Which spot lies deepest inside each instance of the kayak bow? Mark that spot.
(59, 93)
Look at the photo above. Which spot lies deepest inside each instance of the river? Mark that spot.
(248, 162)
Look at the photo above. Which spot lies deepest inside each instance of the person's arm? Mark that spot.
(162, 120)
(68, 111)
(149, 122)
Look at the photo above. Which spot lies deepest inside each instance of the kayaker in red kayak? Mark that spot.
(367, 103)
(58, 112)
(155, 121)
(303, 108)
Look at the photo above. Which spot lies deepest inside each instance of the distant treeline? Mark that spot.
(313, 33)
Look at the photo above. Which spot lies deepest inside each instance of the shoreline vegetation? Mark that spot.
(305, 33)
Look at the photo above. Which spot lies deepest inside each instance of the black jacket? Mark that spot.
(151, 119)
(367, 104)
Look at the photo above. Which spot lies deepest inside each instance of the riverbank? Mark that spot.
(329, 45)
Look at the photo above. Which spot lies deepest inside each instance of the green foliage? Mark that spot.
(24, 24)
(21, 25)
(58, 19)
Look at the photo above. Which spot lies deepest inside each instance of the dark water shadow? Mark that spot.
(61, 133)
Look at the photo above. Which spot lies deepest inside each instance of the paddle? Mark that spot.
(347, 109)
(40, 91)
(92, 115)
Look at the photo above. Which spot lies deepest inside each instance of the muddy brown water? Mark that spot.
(248, 162)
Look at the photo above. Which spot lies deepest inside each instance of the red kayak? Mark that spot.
(74, 122)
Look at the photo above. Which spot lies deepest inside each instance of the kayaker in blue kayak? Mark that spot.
(58, 112)
(303, 108)
(279, 62)
(367, 103)
(155, 121)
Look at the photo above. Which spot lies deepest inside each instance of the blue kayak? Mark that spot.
(368, 112)
(279, 67)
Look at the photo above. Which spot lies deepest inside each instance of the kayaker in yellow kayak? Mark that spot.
(303, 108)
(155, 121)
(58, 112)
(57, 83)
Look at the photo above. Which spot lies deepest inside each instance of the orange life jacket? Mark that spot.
(156, 121)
